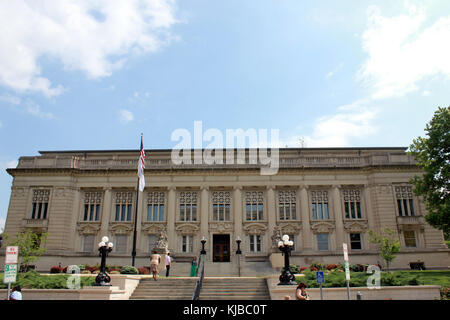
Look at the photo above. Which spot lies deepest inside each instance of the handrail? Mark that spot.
(198, 284)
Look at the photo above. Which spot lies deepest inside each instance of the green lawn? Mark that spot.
(33, 280)
(395, 278)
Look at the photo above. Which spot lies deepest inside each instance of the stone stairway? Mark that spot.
(234, 288)
(214, 288)
(179, 288)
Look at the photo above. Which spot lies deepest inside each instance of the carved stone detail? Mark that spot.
(121, 228)
(322, 227)
(88, 228)
(221, 227)
(153, 228)
(290, 227)
(255, 228)
(355, 226)
(187, 228)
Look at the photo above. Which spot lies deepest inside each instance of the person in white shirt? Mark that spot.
(16, 293)
(168, 263)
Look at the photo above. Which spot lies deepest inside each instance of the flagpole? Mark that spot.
(133, 252)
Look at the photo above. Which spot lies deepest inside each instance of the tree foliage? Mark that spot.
(432, 154)
(388, 245)
(30, 247)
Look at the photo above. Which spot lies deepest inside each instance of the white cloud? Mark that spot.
(334, 71)
(2, 224)
(10, 99)
(402, 51)
(341, 129)
(426, 93)
(92, 36)
(125, 116)
(35, 110)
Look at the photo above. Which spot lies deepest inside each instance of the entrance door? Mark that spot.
(221, 248)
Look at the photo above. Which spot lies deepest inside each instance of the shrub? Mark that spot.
(331, 266)
(302, 269)
(313, 268)
(317, 266)
(445, 293)
(56, 269)
(143, 270)
(414, 281)
(129, 270)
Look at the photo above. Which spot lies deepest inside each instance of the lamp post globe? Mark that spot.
(104, 247)
(285, 245)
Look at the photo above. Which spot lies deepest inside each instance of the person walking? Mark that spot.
(155, 260)
(300, 292)
(168, 263)
(194, 267)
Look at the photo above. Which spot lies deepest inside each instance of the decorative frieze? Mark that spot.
(88, 228)
(221, 227)
(359, 226)
(187, 228)
(254, 228)
(322, 227)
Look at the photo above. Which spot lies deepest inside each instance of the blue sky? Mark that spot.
(95, 74)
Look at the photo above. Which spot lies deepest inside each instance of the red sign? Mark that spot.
(12, 254)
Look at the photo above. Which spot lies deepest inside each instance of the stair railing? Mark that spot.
(198, 284)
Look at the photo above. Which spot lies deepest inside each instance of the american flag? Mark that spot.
(141, 167)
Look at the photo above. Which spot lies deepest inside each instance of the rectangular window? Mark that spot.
(186, 244)
(322, 242)
(124, 206)
(121, 243)
(188, 206)
(155, 206)
(319, 205)
(40, 204)
(355, 241)
(152, 241)
(287, 205)
(405, 201)
(255, 243)
(254, 204)
(92, 203)
(221, 201)
(410, 239)
(352, 203)
(88, 243)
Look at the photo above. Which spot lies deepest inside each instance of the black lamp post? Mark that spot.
(104, 247)
(203, 241)
(286, 246)
(239, 252)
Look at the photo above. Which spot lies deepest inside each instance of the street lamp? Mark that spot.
(203, 241)
(285, 245)
(239, 252)
(104, 247)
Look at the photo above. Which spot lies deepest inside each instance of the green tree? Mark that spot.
(30, 247)
(388, 245)
(432, 154)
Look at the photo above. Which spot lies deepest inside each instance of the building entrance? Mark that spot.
(221, 248)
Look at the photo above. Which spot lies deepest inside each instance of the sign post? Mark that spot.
(10, 275)
(347, 269)
(320, 278)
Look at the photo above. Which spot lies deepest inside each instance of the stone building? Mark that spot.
(320, 197)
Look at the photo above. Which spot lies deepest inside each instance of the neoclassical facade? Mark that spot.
(320, 197)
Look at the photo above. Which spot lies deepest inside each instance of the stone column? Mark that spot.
(74, 242)
(237, 210)
(338, 218)
(171, 212)
(140, 209)
(106, 214)
(368, 214)
(306, 227)
(271, 216)
(204, 216)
